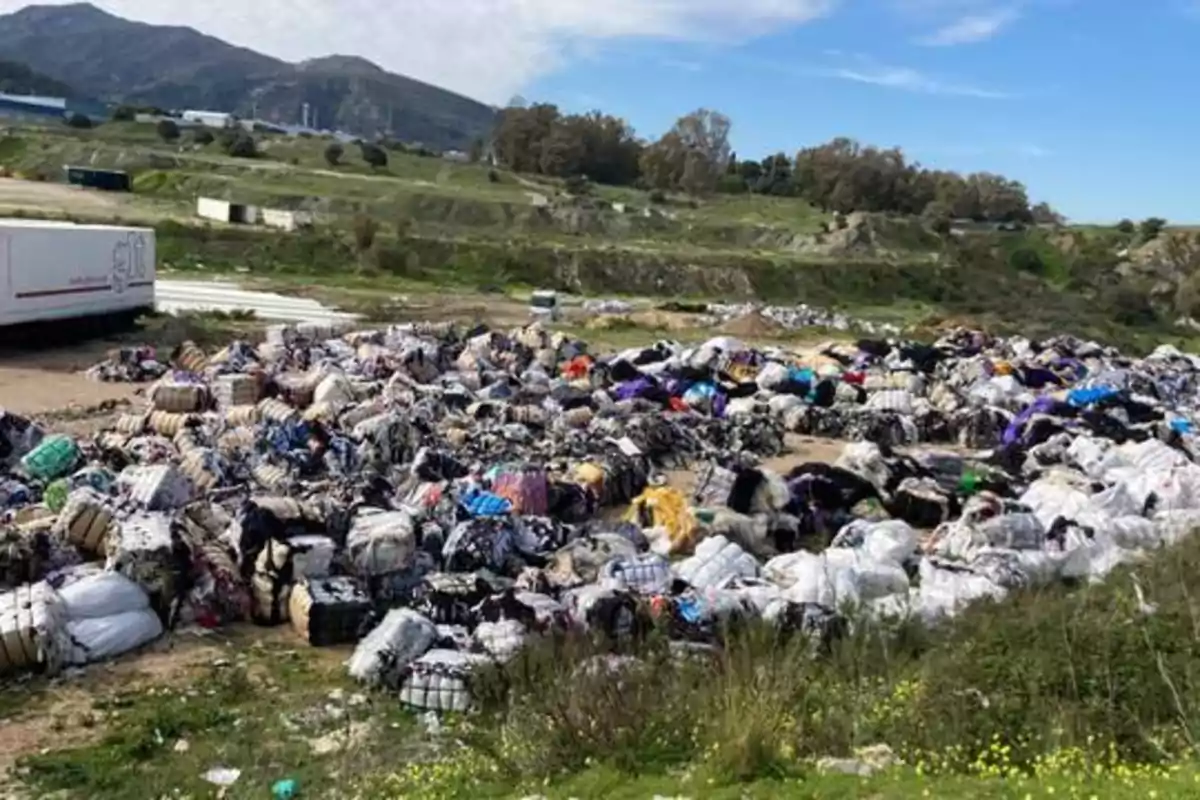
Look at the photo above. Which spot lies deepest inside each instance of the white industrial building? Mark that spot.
(210, 119)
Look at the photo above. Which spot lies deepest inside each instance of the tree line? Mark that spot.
(695, 157)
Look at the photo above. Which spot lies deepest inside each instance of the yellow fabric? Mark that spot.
(743, 372)
(1003, 368)
(668, 509)
(590, 475)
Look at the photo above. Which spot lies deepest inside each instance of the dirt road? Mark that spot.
(56, 197)
(35, 384)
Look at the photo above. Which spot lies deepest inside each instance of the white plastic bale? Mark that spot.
(439, 681)
(943, 593)
(1051, 499)
(865, 460)
(890, 541)
(716, 559)
(502, 639)
(382, 542)
(99, 639)
(103, 594)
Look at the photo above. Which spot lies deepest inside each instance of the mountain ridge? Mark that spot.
(124, 61)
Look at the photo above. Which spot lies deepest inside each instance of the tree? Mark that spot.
(1043, 214)
(203, 136)
(1151, 228)
(475, 154)
(1127, 227)
(167, 130)
(707, 132)
(333, 153)
(700, 174)
(79, 121)
(124, 114)
(365, 229)
(374, 155)
(239, 144)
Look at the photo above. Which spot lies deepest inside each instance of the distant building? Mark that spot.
(20, 105)
(210, 119)
(457, 156)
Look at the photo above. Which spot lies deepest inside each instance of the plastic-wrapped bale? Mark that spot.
(646, 573)
(328, 611)
(169, 423)
(87, 521)
(450, 598)
(179, 395)
(53, 457)
(385, 439)
(272, 477)
(236, 391)
(205, 468)
(381, 542)
(607, 611)
(535, 611)
(18, 436)
(714, 484)
(32, 630)
(502, 639)
(922, 503)
(716, 560)
(440, 680)
(160, 487)
(480, 543)
(272, 583)
(384, 654)
(313, 555)
(147, 549)
(276, 411)
(107, 615)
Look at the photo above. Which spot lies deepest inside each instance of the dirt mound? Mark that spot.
(751, 326)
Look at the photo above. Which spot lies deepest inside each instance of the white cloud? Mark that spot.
(907, 79)
(488, 49)
(1033, 151)
(972, 28)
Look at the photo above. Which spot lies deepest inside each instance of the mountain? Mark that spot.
(119, 60)
(19, 79)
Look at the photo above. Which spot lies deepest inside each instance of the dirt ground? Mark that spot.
(38, 383)
(57, 197)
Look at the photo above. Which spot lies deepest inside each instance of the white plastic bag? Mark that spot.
(716, 560)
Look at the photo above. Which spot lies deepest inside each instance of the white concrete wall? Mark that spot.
(210, 208)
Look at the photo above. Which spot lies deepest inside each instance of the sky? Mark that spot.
(1087, 102)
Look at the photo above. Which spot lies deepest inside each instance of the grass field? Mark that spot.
(1068, 692)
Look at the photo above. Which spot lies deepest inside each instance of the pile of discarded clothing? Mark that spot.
(798, 317)
(439, 497)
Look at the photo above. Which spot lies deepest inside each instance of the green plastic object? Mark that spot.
(53, 458)
(969, 483)
(55, 496)
(285, 789)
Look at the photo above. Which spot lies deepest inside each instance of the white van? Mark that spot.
(543, 305)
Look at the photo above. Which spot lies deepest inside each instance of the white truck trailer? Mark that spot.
(52, 272)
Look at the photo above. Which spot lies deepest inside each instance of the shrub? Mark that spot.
(333, 153)
(374, 155)
(167, 130)
(239, 144)
(124, 114)
(79, 121)
(203, 136)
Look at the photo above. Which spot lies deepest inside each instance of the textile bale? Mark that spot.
(328, 611)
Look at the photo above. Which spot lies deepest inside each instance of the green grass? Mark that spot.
(260, 713)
